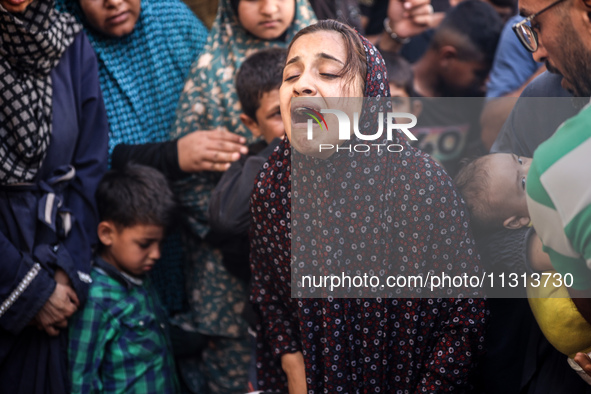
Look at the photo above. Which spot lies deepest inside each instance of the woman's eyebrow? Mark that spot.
(292, 60)
(329, 57)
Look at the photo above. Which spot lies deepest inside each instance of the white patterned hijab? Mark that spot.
(31, 45)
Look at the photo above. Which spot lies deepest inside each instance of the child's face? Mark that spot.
(134, 249)
(268, 117)
(400, 99)
(507, 177)
(266, 19)
(15, 6)
(115, 18)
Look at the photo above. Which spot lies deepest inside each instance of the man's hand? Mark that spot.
(584, 362)
(59, 307)
(211, 150)
(409, 18)
(295, 369)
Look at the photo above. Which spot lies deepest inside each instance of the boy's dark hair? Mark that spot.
(472, 182)
(399, 72)
(260, 73)
(135, 195)
(476, 22)
(504, 3)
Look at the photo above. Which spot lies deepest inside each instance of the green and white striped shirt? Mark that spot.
(559, 197)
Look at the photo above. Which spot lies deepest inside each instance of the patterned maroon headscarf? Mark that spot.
(353, 344)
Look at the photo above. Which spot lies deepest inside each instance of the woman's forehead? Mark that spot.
(317, 43)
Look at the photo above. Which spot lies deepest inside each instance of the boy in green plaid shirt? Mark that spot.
(119, 340)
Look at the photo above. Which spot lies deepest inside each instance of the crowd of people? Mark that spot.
(160, 197)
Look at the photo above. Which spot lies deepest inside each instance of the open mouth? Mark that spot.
(303, 113)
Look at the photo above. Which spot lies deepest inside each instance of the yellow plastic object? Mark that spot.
(558, 318)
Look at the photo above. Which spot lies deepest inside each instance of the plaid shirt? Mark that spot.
(119, 341)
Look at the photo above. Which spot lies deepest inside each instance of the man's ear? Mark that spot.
(106, 231)
(446, 54)
(515, 222)
(251, 124)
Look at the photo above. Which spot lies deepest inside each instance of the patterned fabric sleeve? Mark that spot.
(453, 358)
(278, 320)
(559, 200)
(24, 287)
(460, 334)
(270, 229)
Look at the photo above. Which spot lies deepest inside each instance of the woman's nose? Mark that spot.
(304, 86)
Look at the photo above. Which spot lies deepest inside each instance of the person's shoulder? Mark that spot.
(80, 47)
(104, 290)
(429, 180)
(79, 60)
(546, 85)
(573, 134)
(274, 176)
(279, 161)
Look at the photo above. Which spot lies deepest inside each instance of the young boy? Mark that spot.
(257, 85)
(119, 340)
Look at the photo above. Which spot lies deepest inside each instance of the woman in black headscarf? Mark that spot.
(395, 213)
(53, 152)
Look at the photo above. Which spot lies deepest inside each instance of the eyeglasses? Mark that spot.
(525, 33)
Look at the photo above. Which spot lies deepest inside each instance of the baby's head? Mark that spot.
(135, 205)
(493, 187)
(257, 84)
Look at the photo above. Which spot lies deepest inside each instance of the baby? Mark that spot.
(493, 187)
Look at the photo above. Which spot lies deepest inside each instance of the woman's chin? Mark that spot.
(314, 148)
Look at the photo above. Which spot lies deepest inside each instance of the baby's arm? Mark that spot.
(538, 259)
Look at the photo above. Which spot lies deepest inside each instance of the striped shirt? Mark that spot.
(559, 198)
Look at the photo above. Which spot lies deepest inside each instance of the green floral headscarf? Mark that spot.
(209, 98)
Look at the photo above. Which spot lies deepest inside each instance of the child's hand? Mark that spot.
(59, 307)
(212, 150)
